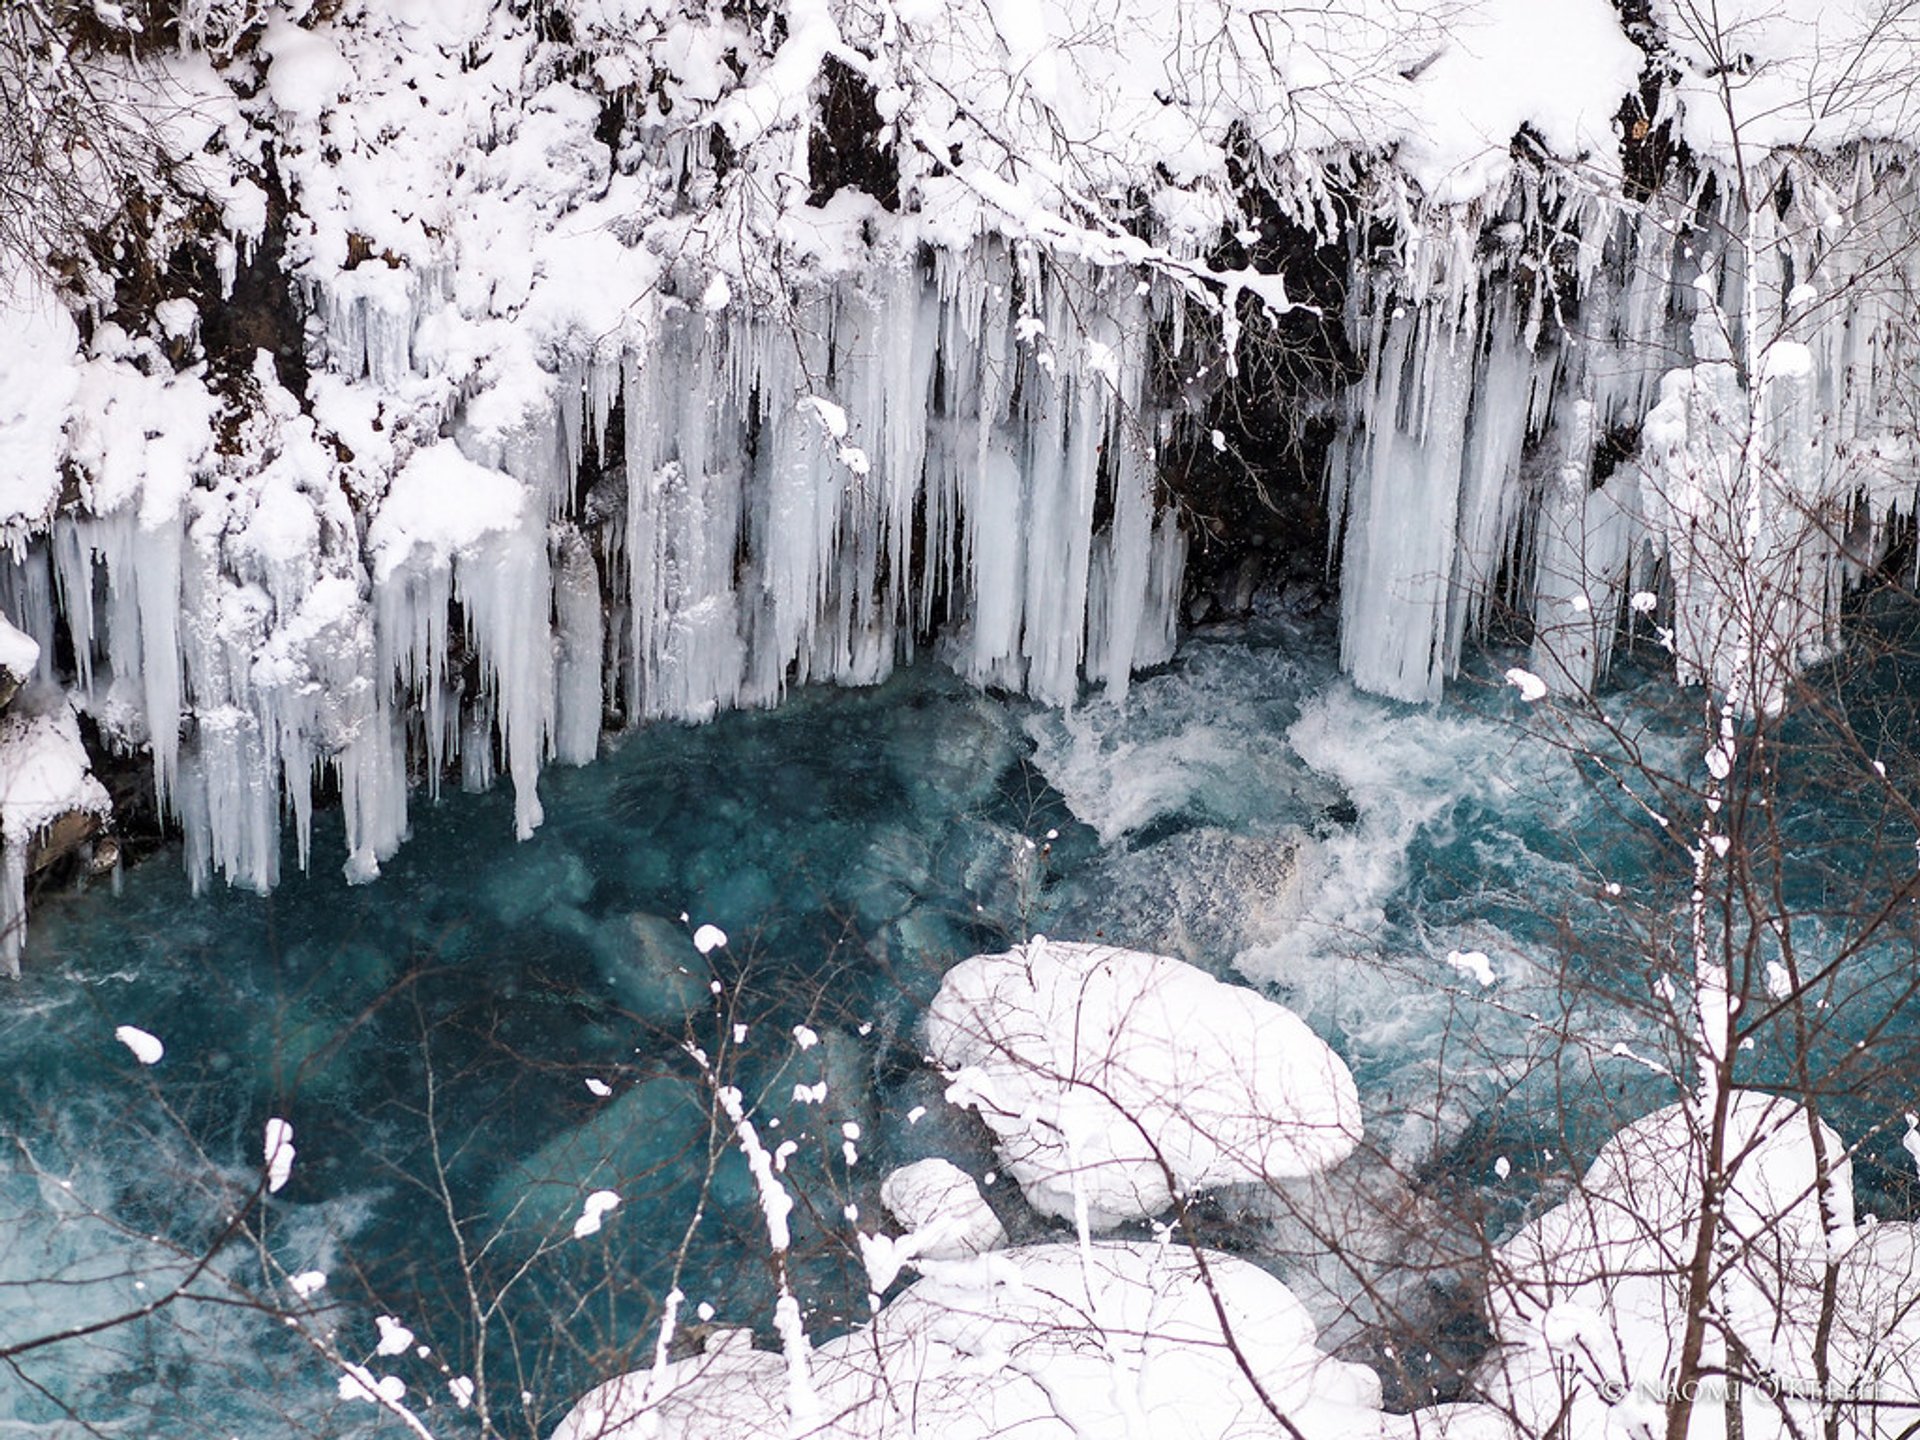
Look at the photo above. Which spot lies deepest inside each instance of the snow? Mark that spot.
(593, 1211)
(1811, 73)
(709, 938)
(1530, 686)
(443, 504)
(940, 1208)
(395, 1338)
(19, 651)
(278, 1152)
(1558, 69)
(44, 775)
(359, 1383)
(146, 1047)
(44, 770)
(1586, 1299)
(1104, 1098)
(307, 73)
(1474, 963)
(1054, 1342)
(307, 1283)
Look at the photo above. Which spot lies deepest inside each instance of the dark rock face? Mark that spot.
(68, 838)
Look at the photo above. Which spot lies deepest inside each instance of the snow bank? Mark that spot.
(1804, 73)
(38, 378)
(1044, 1342)
(1087, 1064)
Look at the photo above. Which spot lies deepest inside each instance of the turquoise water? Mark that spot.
(467, 1046)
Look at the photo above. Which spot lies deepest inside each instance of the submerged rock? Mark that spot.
(950, 758)
(635, 1142)
(654, 969)
(1196, 895)
(891, 874)
(536, 883)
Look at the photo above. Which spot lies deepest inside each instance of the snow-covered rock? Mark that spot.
(1876, 1350)
(943, 1213)
(19, 658)
(1115, 1080)
(1588, 1300)
(44, 778)
(730, 1389)
(942, 1209)
(1051, 1342)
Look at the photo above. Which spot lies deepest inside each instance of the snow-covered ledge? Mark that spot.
(48, 794)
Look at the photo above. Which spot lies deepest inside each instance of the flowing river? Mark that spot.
(469, 1046)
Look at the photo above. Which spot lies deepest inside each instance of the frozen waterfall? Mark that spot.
(960, 453)
(1748, 366)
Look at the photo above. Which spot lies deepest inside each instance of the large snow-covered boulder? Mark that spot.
(1049, 1342)
(1114, 1080)
(1876, 1336)
(728, 1389)
(1588, 1301)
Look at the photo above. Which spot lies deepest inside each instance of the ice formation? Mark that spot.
(1108, 1102)
(259, 645)
(1748, 354)
(616, 402)
(1048, 1341)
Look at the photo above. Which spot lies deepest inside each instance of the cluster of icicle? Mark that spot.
(957, 451)
(1750, 364)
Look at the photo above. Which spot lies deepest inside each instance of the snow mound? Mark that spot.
(943, 1213)
(1588, 1300)
(1050, 1342)
(942, 1209)
(38, 378)
(1087, 1064)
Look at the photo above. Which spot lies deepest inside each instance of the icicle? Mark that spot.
(13, 905)
(576, 593)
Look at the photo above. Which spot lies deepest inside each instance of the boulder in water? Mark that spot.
(654, 969)
(636, 1142)
(1114, 1079)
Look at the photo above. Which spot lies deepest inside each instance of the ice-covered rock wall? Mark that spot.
(658, 357)
(985, 474)
(1572, 402)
